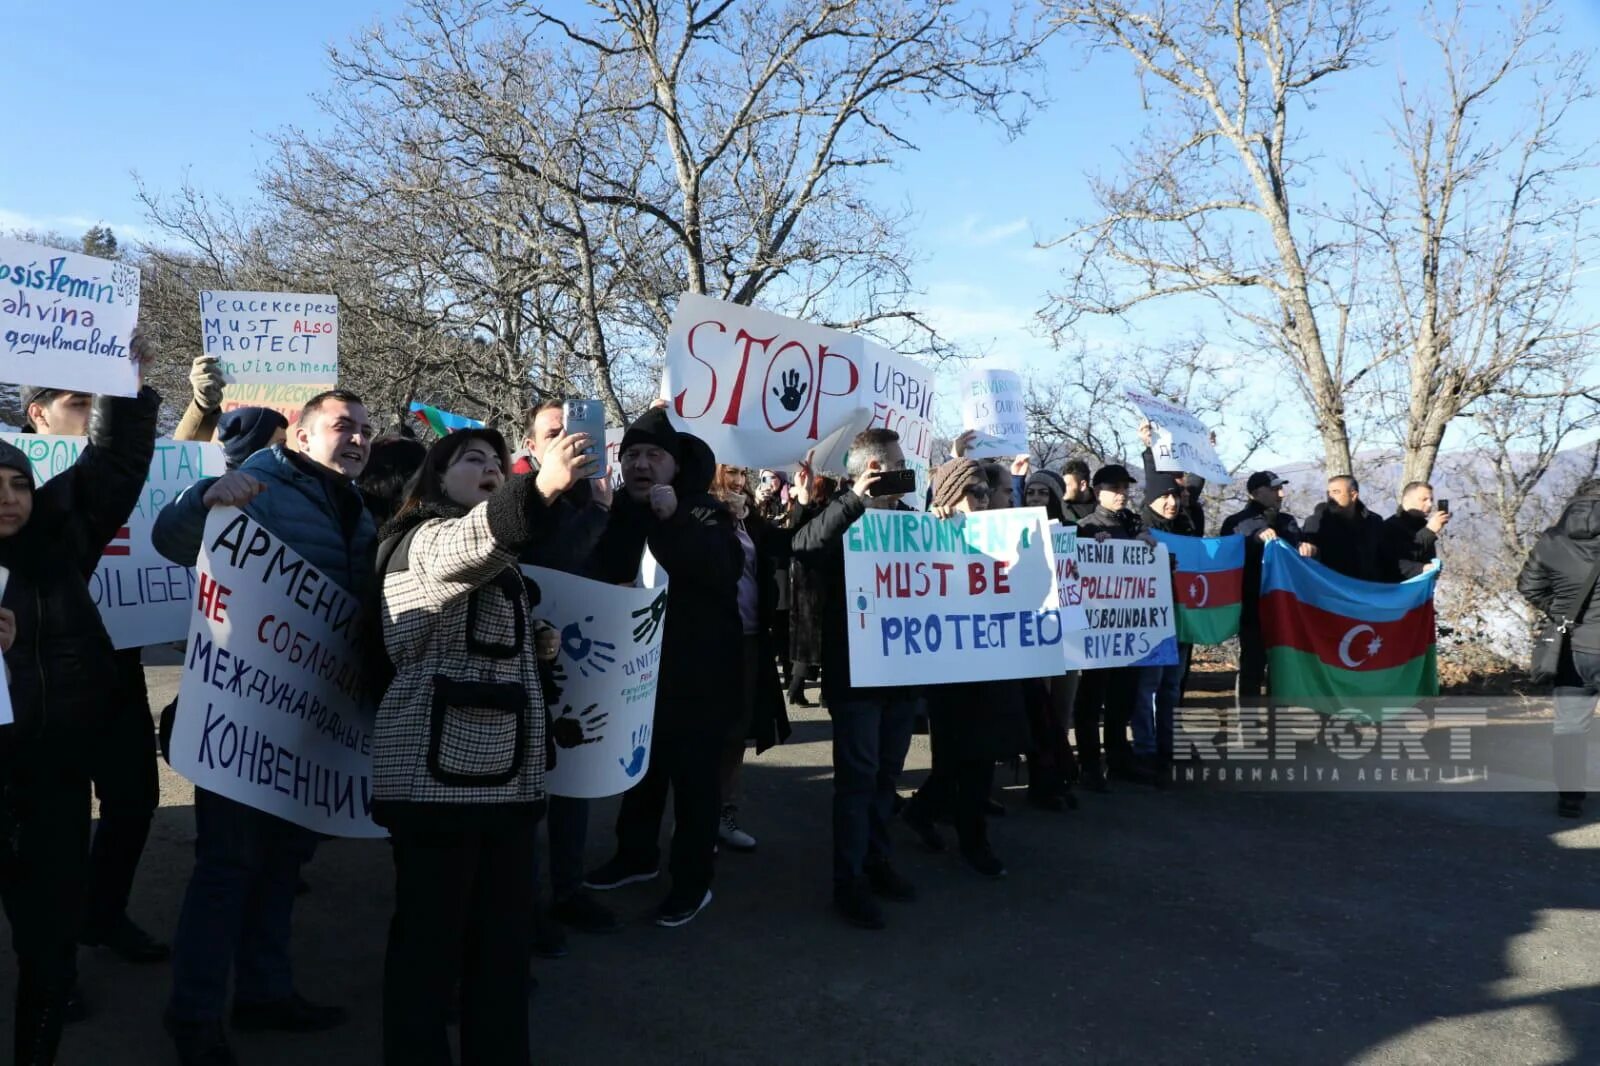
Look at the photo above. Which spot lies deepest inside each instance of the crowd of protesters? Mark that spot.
(429, 539)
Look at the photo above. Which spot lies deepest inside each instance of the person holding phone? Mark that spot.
(1411, 534)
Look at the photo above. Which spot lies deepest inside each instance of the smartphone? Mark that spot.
(1444, 506)
(587, 416)
(895, 483)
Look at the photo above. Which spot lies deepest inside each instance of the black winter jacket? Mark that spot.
(62, 659)
(1411, 545)
(1196, 511)
(1075, 512)
(1249, 523)
(700, 553)
(1123, 525)
(819, 548)
(1351, 542)
(1558, 568)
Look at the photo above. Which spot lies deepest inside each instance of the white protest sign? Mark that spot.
(606, 676)
(967, 598)
(270, 707)
(1179, 440)
(282, 337)
(614, 457)
(763, 390)
(993, 404)
(66, 319)
(287, 400)
(143, 597)
(1127, 598)
(1069, 589)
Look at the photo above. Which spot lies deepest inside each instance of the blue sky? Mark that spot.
(184, 88)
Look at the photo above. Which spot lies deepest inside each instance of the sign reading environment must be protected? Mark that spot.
(284, 337)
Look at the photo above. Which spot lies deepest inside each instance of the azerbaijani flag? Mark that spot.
(1337, 643)
(1206, 585)
(443, 422)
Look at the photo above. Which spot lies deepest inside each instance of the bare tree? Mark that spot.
(1205, 206)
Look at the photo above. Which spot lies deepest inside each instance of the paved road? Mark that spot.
(1175, 927)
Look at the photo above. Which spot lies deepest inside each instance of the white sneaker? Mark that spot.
(729, 833)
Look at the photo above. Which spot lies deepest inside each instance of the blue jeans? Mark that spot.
(870, 740)
(237, 909)
(1155, 700)
(567, 819)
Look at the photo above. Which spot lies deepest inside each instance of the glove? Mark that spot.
(205, 378)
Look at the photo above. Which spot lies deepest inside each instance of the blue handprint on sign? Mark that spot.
(634, 764)
(586, 653)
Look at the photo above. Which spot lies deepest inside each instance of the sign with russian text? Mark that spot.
(1126, 589)
(992, 403)
(270, 707)
(605, 680)
(968, 598)
(287, 400)
(287, 338)
(763, 390)
(143, 597)
(1178, 440)
(66, 319)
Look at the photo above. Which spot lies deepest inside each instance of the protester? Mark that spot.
(1350, 539)
(1160, 688)
(459, 755)
(871, 726)
(395, 459)
(1079, 502)
(666, 506)
(1047, 489)
(970, 724)
(1262, 521)
(806, 590)
(1411, 534)
(577, 519)
(1107, 695)
(246, 430)
(123, 770)
(58, 658)
(1192, 486)
(1558, 579)
(239, 904)
(206, 385)
(776, 508)
(762, 716)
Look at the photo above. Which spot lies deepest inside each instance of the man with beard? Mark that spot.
(1411, 534)
(1079, 502)
(1349, 538)
(1262, 520)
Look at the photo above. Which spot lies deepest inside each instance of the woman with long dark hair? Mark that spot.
(459, 753)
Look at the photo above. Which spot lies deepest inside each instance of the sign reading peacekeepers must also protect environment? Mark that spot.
(1127, 597)
(143, 597)
(283, 337)
(66, 319)
(270, 709)
(763, 390)
(967, 598)
(606, 676)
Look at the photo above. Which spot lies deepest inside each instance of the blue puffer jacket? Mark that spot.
(310, 512)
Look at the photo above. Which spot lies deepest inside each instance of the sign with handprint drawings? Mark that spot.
(607, 671)
(764, 390)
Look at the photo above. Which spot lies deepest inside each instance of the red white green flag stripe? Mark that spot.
(1206, 586)
(1335, 643)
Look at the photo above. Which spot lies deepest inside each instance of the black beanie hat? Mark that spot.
(11, 458)
(246, 430)
(1162, 482)
(653, 427)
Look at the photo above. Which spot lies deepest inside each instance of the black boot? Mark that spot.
(38, 1023)
(1571, 769)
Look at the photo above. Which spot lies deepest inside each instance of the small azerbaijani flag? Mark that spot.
(1335, 643)
(1206, 585)
(443, 423)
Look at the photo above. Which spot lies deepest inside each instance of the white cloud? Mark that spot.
(69, 225)
(974, 232)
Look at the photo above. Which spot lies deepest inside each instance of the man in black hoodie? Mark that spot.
(1411, 534)
(1078, 503)
(1350, 539)
(1559, 581)
(666, 506)
(871, 726)
(1262, 520)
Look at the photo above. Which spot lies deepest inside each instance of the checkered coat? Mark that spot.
(463, 722)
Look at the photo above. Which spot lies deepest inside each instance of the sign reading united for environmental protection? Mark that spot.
(66, 319)
(270, 707)
(966, 598)
(288, 338)
(143, 597)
